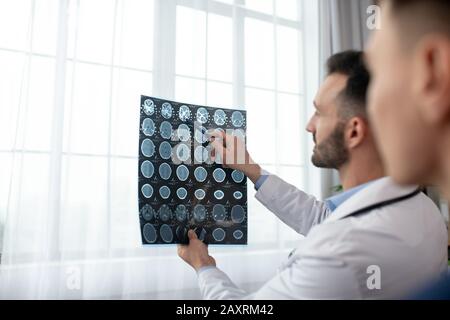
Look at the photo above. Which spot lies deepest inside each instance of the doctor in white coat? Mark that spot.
(375, 240)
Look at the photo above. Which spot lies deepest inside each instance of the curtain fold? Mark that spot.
(342, 26)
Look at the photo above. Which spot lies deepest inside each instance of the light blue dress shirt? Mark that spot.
(260, 181)
(336, 200)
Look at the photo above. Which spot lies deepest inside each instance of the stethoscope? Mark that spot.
(377, 206)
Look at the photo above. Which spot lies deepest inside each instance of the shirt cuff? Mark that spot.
(199, 271)
(260, 181)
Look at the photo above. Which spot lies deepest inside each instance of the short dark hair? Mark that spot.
(424, 15)
(353, 96)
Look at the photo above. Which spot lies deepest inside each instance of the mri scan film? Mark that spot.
(181, 187)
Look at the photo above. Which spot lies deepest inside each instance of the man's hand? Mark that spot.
(195, 253)
(234, 154)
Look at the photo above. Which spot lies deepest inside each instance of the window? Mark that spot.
(71, 83)
(248, 54)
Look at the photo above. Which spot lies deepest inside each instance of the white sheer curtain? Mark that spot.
(72, 72)
(342, 27)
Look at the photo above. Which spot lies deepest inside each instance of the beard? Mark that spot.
(331, 153)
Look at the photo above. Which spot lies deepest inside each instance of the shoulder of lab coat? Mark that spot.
(297, 209)
(405, 240)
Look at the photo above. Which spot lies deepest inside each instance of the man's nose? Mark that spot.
(310, 126)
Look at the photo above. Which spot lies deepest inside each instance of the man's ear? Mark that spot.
(355, 132)
(431, 78)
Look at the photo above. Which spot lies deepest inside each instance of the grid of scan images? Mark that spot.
(181, 187)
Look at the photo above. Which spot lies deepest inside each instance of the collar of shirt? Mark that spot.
(335, 201)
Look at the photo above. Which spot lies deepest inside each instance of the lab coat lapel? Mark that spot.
(379, 191)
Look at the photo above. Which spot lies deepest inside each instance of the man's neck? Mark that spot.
(352, 175)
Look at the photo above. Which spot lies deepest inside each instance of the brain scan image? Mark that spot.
(147, 169)
(219, 175)
(200, 154)
(180, 185)
(237, 176)
(182, 152)
(148, 107)
(148, 148)
(184, 113)
(238, 234)
(148, 127)
(147, 190)
(200, 174)
(165, 171)
(202, 115)
(165, 150)
(200, 194)
(164, 192)
(201, 134)
(181, 212)
(220, 117)
(237, 119)
(166, 110)
(182, 193)
(165, 129)
(182, 172)
(237, 214)
(218, 234)
(183, 132)
(166, 233)
(147, 212)
(165, 213)
(199, 212)
(237, 195)
(219, 212)
(218, 194)
(149, 233)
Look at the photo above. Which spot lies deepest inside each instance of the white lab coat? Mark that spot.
(405, 241)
